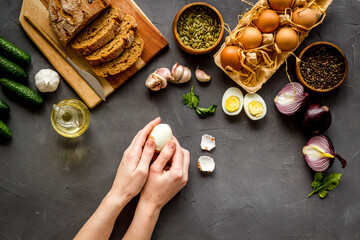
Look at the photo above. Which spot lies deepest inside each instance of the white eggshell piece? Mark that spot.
(207, 142)
(161, 134)
(206, 164)
(233, 91)
(253, 97)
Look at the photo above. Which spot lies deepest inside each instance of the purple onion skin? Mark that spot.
(317, 118)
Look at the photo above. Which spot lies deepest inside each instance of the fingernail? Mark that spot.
(150, 143)
(171, 145)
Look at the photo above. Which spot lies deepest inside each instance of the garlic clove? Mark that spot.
(164, 73)
(186, 76)
(177, 72)
(158, 79)
(201, 76)
(153, 83)
(163, 84)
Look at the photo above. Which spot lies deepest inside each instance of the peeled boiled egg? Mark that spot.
(230, 56)
(254, 106)
(161, 134)
(268, 21)
(287, 39)
(250, 38)
(232, 101)
(306, 17)
(280, 5)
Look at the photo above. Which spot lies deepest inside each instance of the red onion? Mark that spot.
(290, 98)
(317, 118)
(319, 153)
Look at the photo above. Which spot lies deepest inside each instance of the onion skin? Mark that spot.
(290, 98)
(319, 153)
(317, 118)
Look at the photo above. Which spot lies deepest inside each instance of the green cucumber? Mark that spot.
(14, 53)
(12, 70)
(21, 92)
(5, 132)
(4, 109)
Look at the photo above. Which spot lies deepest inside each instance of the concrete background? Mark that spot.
(49, 185)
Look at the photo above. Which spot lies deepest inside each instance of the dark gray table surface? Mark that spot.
(49, 185)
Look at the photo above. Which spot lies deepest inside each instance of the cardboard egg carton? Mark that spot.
(262, 75)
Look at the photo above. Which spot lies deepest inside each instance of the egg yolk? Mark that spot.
(232, 103)
(256, 108)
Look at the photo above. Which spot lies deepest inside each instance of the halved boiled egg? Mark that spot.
(161, 134)
(254, 106)
(232, 101)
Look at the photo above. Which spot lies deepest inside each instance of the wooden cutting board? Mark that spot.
(154, 43)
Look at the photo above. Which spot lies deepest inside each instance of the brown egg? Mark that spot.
(287, 39)
(251, 38)
(230, 57)
(305, 17)
(268, 21)
(280, 5)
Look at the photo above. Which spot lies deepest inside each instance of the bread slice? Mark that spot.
(68, 17)
(101, 31)
(114, 48)
(124, 61)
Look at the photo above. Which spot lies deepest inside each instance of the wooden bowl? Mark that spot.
(301, 79)
(189, 49)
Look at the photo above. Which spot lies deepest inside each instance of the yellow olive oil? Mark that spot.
(70, 118)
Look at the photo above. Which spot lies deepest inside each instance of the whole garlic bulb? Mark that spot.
(158, 79)
(47, 80)
(180, 74)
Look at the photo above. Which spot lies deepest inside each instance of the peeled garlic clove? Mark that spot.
(186, 76)
(177, 72)
(201, 76)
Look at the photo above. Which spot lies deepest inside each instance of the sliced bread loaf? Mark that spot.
(102, 30)
(124, 61)
(68, 17)
(114, 48)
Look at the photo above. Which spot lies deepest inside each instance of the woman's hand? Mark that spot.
(167, 176)
(134, 166)
(130, 179)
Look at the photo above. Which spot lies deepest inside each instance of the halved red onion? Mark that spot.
(319, 153)
(290, 98)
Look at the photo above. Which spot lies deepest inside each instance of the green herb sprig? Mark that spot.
(192, 100)
(323, 185)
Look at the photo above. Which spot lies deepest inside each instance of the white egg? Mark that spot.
(254, 106)
(161, 134)
(232, 101)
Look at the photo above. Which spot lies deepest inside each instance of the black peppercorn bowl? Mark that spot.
(187, 48)
(322, 71)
